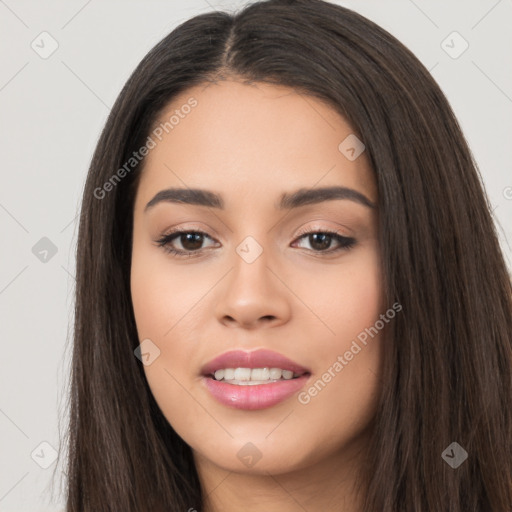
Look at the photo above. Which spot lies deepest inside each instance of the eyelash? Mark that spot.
(345, 243)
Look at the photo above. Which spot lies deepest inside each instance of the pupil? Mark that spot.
(189, 237)
(326, 239)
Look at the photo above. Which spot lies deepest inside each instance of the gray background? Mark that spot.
(52, 111)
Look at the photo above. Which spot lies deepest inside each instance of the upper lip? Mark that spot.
(260, 358)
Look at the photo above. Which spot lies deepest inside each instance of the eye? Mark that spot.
(191, 241)
(320, 240)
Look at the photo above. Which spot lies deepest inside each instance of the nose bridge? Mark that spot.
(252, 262)
(252, 289)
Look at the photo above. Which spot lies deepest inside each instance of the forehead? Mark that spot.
(253, 138)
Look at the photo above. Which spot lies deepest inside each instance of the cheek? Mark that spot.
(348, 359)
(161, 299)
(362, 297)
(347, 298)
(163, 294)
(166, 301)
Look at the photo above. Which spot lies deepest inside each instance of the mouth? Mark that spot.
(253, 380)
(253, 376)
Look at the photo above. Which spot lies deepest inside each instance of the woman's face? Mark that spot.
(251, 281)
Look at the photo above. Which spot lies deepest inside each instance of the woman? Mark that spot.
(290, 293)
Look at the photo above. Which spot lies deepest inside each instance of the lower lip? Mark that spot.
(259, 396)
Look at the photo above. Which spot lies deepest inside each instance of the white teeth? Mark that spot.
(243, 374)
(229, 374)
(260, 374)
(275, 373)
(250, 377)
(287, 374)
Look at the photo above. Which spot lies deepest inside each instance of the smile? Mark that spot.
(253, 376)
(253, 380)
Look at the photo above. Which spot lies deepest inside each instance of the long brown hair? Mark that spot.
(447, 370)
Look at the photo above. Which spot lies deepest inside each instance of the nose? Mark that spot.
(253, 295)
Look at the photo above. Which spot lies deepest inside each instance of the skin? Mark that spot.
(252, 143)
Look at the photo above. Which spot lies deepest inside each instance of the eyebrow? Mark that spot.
(288, 201)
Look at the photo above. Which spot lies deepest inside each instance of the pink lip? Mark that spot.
(259, 396)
